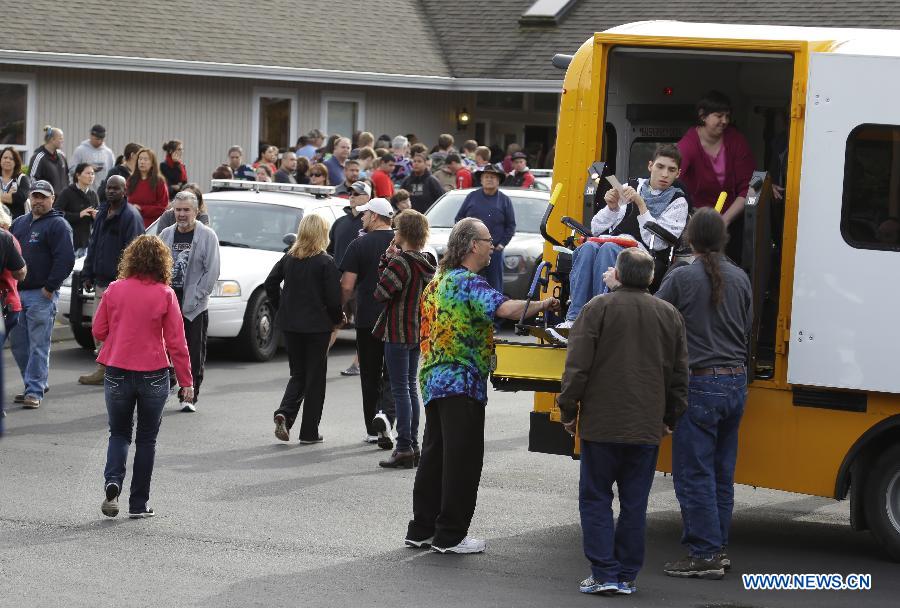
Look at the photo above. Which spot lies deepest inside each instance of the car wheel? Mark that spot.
(83, 336)
(258, 339)
(882, 501)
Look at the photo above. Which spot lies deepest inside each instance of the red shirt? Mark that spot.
(9, 285)
(138, 321)
(152, 203)
(463, 179)
(384, 187)
(699, 176)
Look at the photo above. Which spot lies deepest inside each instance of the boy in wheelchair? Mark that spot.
(648, 206)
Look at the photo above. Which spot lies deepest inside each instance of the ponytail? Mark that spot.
(707, 236)
(714, 272)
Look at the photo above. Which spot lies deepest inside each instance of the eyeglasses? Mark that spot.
(491, 241)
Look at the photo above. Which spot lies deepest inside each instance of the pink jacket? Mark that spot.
(697, 171)
(138, 320)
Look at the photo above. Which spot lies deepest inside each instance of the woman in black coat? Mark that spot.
(14, 185)
(309, 307)
(79, 204)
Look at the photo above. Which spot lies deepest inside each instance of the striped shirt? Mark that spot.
(403, 277)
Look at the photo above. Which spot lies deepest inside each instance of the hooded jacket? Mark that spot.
(423, 190)
(47, 248)
(403, 277)
(72, 201)
(98, 157)
(110, 237)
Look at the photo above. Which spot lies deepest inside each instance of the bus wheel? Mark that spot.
(882, 501)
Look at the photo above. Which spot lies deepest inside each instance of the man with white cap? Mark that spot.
(46, 239)
(360, 268)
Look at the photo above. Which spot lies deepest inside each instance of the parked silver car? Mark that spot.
(525, 250)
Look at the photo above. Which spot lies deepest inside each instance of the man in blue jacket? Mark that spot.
(46, 240)
(117, 224)
(495, 209)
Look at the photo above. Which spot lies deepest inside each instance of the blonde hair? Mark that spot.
(312, 237)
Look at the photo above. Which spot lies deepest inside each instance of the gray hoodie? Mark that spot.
(102, 158)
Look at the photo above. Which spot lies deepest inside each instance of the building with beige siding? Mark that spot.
(214, 73)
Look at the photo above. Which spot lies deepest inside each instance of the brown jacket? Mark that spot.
(627, 368)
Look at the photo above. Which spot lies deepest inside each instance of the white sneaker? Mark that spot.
(565, 324)
(556, 336)
(383, 426)
(370, 438)
(187, 406)
(466, 545)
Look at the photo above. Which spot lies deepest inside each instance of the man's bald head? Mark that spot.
(115, 189)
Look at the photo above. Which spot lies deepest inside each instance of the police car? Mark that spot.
(255, 223)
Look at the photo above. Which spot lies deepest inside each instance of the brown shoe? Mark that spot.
(94, 379)
(399, 460)
(31, 402)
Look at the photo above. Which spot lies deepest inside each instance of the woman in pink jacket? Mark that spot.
(138, 321)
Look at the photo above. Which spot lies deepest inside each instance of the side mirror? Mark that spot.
(289, 239)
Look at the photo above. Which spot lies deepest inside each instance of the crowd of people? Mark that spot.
(424, 328)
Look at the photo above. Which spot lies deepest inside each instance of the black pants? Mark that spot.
(373, 377)
(308, 361)
(195, 334)
(446, 487)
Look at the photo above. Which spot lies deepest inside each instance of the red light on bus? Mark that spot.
(668, 91)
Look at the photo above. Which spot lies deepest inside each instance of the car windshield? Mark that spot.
(529, 211)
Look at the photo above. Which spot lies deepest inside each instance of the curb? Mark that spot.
(61, 333)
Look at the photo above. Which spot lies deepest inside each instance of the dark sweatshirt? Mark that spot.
(72, 201)
(423, 190)
(47, 248)
(51, 167)
(109, 239)
(344, 231)
(495, 211)
(311, 299)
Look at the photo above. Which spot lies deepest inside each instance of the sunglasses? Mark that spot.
(317, 175)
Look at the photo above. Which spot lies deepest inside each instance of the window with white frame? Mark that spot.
(343, 113)
(17, 113)
(274, 118)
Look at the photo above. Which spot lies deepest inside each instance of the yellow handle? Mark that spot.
(557, 190)
(721, 202)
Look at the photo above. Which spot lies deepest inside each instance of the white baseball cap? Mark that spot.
(381, 206)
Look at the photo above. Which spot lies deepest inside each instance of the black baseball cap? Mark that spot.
(98, 131)
(43, 187)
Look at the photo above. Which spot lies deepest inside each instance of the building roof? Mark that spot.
(437, 44)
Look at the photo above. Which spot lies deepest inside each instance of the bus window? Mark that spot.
(870, 212)
(641, 154)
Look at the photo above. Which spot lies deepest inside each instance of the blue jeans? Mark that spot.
(125, 389)
(589, 262)
(403, 370)
(616, 551)
(704, 451)
(30, 339)
(11, 319)
(494, 271)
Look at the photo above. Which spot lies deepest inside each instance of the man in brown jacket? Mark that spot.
(625, 380)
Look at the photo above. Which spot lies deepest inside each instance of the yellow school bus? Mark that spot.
(819, 107)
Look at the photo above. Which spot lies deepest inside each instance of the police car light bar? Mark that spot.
(241, 184)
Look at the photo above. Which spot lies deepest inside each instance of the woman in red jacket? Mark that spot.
(139, 322)
(715, 158)
(147, 188)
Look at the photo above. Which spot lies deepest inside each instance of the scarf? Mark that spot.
(180, 166)
(657, 203)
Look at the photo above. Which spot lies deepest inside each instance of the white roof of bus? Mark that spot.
(847, 41)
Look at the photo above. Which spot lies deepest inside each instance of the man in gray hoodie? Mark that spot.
(94, 151)
(195, 256)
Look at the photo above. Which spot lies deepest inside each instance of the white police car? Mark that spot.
(255, 223)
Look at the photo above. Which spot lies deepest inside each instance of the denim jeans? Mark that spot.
(616, 552)
(589, 262)
(125, 389)
(403, 370)
(30, 339)
(704, 451)
(11, 319)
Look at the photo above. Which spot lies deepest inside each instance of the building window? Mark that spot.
(17, 113)
(870, 212)
(342, 113)
(545, 102)
(274, 118)
(500, 100)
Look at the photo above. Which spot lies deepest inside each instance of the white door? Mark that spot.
(844, 331)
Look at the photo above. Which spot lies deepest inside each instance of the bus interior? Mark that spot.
(650, 99)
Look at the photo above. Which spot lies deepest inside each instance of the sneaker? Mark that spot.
(30, 402)
(591, 585)
(370, 439)
(565, 324)
(353, 370)
(724, 559)
(399, 460)
(382, 426)
(187, 406)
(626, 588)
(556, 336)
(694, 567)
(281, 430)
(141, 514)
(419, 544)
(465, 546)
(316, 439)
(95, 378)
(110, 506)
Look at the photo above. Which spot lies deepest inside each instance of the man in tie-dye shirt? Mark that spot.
(457, 316)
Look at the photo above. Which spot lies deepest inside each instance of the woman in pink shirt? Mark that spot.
(138, 321)
(715, 158)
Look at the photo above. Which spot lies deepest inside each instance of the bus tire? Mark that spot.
(882, 501)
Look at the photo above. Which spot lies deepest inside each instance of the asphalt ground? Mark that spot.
(245, 520)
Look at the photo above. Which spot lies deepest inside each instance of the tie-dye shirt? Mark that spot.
(457, 335)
